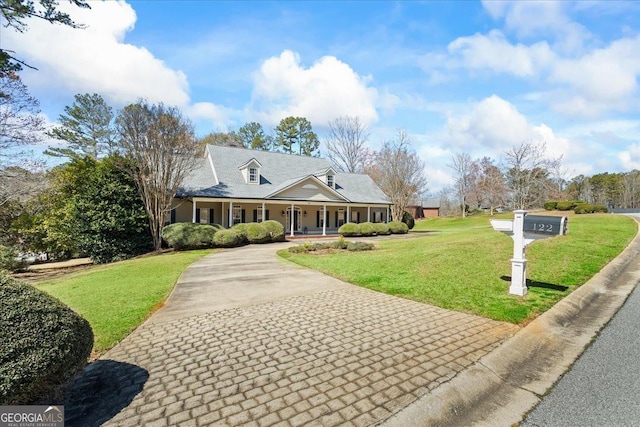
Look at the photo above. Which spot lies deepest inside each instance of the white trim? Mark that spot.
(308, 177)
(230, 214)
(193, 214)
(324, 220)
(213, 168)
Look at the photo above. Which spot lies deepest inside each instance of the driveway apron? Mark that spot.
(249, 339)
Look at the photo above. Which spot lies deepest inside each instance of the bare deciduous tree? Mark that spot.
(20, 125)
(492, 184)
(462, 166)
(399, 173)
(161, 143)
(346, 144)
(527, 170)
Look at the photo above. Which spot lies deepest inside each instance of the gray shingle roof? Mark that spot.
(278, 170)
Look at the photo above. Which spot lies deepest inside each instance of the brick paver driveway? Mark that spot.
(247, 339)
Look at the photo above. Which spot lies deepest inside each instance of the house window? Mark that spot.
(237, 214)
(377, 216)
(330, 180)
(253, 175)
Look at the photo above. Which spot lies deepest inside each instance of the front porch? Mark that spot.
(298, 218)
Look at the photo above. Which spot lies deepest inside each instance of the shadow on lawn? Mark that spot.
(101, 391)
(536, 284)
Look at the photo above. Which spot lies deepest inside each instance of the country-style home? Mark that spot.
(233, 185)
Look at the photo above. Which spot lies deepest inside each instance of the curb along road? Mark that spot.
(503, 386)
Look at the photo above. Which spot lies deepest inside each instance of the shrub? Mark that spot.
(585, 208)
(407, 218)
(550, 206)
(275, 230)
(381, 228)
(44, 342)
(359, 246)
(8, 260)
(241, 228)
(397, 227)
(186, 235)
(257, 233)
(229, 238)
(565, 206)
(339, 245)
(367, 229)
(349, 229)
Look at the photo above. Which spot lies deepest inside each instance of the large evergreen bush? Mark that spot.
(229, 238)
(43, 342)
(275, 230)
(257, 233)
(407, 218)
(367, 229)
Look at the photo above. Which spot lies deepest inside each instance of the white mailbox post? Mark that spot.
(524, 230)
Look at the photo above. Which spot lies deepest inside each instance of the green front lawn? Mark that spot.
(116, 298)
(463, 264)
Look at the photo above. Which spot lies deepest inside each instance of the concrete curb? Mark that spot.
(507, 383)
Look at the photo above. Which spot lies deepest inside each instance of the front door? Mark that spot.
(296, 219)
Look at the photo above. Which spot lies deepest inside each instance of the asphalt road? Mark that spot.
(603, 386)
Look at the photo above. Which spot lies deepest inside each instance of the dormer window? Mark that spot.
(251, 172)
(253, 175)
(330, 180)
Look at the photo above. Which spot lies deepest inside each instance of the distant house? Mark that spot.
(424, 208)
(306, 194)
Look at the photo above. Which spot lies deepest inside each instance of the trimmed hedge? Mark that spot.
(187, 235)
(229, 238)
(43, 341)
(407, 218)
(381, 228)
(275, 230)
(397, 227)
(550, 206)
(257, 233)
(586, 208)
(350, 229)
(367, 229)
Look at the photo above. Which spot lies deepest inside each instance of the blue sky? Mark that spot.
(459, 76)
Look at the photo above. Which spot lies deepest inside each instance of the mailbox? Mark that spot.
(547, 225)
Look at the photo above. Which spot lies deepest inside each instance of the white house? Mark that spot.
(231, 185)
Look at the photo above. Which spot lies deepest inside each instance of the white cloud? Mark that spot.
(603, 79)
(96, 58)
(529, 19)
(326, 90)
(495, 53)
(630, 158)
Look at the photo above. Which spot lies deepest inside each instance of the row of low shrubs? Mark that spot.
(340, 244)
(43, 341)
(185, 236)
(366, 229)
(578, 206)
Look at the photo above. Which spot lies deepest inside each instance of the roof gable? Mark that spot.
(306, 188)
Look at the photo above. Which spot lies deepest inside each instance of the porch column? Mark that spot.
(291, 219)
(324, 220)
(230, 214)
(387, 213)
(348, 213)
(193, 215)
(368, 213)
(222, 213)
(263, 219)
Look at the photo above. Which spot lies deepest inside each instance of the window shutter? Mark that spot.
(358, 218)
(198, 215)
(336, 218)
(173, 216)
(266, 214)
(255, 215)
(318, 219)
(211, 217)
(243, 217)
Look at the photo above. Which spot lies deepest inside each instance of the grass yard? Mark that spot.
(464, 265)
(116, 298)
